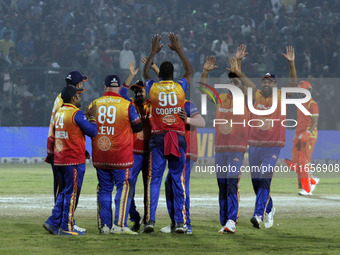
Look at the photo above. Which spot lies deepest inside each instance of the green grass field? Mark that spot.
(294, 232)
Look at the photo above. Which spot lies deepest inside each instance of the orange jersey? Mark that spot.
(112, 147)
(191, 132)
(304, 122)
(58, 102)
(142, 138)
(269, 131)
(233, 135)
(69, 147)
(167, 99)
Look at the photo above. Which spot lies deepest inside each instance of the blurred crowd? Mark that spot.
(42, 40)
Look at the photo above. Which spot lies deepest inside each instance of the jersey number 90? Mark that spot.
(165, 99)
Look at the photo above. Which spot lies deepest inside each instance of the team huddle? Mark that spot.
(157, 126)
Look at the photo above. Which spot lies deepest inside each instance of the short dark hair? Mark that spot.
(232, 75)
(166, 71)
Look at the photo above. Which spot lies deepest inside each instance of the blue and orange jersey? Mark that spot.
(191, 132)
(304, 122)
(167, 99)
(113, 145)
(268, 131)
(232, 135)
(142, 138)
(70, 127)
(58, 102)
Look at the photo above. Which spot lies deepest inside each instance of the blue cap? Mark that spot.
(112, 81)
(74, 77)
(270, 76)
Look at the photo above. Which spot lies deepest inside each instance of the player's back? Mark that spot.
(112, 147)
(69, 148)
(167, 99)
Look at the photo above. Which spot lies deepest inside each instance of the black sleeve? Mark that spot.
(137, 127)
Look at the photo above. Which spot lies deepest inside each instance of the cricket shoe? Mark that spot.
(189, 231)
(149, 227)
(104, 230)
(180, 228)
(313, 186)
(136, 225)
(230, 226)
(221, 231)
(305, 193)
(269, 219)
(121, 230)
(76, 227)
(168, 229)
(62, 232)
(256, 221)
(51, 229)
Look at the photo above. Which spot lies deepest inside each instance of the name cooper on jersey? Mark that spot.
(168, 111)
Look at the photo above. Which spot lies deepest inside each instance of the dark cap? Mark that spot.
(138, 84)
(270, 76)
(74, 77)
(112, 81)
(68, 92)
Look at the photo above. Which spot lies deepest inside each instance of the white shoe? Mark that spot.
(105, 230)
(221, 231)
(230, 226)
(313, 186)
(121, 230)
(79, 229)
(305, 193)
(256, 221)
(168, 229)
(269, 219)
(316, 179)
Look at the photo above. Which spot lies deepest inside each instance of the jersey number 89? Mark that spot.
(107, 114)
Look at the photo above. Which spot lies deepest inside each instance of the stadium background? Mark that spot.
(52, 37)
(88, 35)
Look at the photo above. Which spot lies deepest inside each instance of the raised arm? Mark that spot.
(132, 74)
(153, 65)
(156, 46)
(290, 56)
(208, 66)
(240, 54)
(175, 46)
(244, 78)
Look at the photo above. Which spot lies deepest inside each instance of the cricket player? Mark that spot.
(167, 132)
(70, 127)
(112, 156)
(76, 79)
(192, 119)
(266, 140)
(230, 144)
(140, 147)
(303, 144)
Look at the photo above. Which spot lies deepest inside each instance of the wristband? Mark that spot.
(92, 118)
